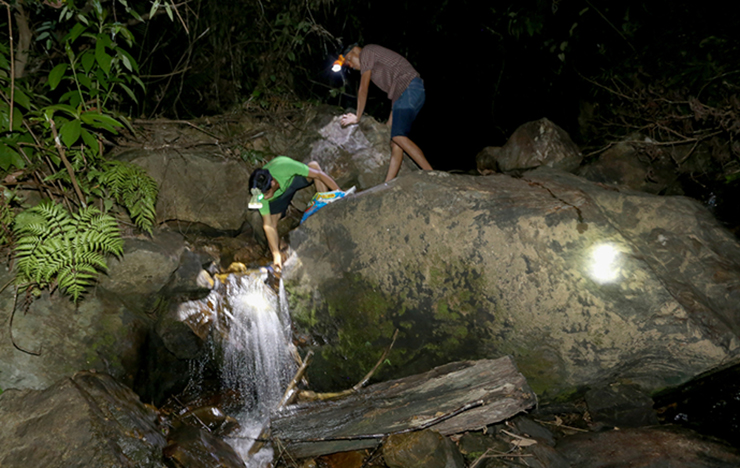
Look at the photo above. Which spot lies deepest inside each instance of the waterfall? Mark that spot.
(254, 351)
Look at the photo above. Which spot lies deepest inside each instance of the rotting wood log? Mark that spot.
(450, 399)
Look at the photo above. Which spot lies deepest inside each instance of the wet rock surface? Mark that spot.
(87, 421)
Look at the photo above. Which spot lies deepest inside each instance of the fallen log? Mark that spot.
(450, 399)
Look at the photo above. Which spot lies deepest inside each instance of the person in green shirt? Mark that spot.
(273, 188)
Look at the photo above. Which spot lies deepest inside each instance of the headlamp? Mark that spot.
(338, 63)
(255, 203)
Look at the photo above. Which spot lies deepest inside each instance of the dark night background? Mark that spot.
(491, 66)
(488, 66)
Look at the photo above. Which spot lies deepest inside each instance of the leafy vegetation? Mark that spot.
(55, 248)
(55, 125)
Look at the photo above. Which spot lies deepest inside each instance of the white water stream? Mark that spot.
(255, 348)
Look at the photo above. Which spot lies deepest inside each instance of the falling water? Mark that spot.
(255, 354)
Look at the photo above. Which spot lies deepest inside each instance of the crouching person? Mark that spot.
(273, 188)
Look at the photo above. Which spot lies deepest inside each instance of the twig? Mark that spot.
(184, 25)
(289, 394)
(10, 328)
(70, 170)
(12, 66)
(561, 425)
(362, 382)
(350, 391)
(613, 27)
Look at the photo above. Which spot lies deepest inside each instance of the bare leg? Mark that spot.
(395, 164)
(414, 152)
(320, 186)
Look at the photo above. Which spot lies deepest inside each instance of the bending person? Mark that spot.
(393, 74)
(273, 188)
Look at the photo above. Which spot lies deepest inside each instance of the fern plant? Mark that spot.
(133, 189)
(56, 248)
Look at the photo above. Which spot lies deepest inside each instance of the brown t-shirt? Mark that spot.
(391, 72)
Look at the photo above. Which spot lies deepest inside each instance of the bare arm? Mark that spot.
(269, 224)
(362, 93)
(349, 119)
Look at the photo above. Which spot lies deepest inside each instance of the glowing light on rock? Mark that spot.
(604, 263)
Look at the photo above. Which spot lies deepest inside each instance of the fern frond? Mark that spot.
(135, 190)
(65, 249)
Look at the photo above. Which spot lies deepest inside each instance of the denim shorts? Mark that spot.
(407, 107)
(280, 205)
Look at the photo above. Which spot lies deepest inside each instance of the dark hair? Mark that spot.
(260, 178)
(349, 48)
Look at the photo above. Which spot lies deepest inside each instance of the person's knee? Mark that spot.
(314, 165)
(398, 140)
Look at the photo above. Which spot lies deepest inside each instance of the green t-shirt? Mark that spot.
(282, 169)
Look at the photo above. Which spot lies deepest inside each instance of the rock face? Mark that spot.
(621, 165)
(143, 270)
(355, 155)
(111, 329)
(582, 285)
(424, 449)
(87, 421)
(648, 446)
(197, 190)
(57, 339)
(534, 144)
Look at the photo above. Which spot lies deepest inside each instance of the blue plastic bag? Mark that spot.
(321, 199)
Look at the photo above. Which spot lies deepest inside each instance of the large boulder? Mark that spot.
(533, 144)
(145, 268)
(199, 191)
(354, 155)
(667, 446)
(52, 338)
(582, 284)
(87, 421)
(628, 165)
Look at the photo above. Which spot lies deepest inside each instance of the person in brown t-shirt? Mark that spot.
(392, 73)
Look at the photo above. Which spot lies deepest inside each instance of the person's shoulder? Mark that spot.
(277, 160)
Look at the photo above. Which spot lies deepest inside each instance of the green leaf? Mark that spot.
(56, 75)
(70, 132)
(102, 57)
(138, 80)
(154, 8)
(71, 111)
(89, 139)
(127, 59)
(10, 157)
(168, 9)
(129, 92)
(101, 121)
(22, 99)
(87, 60)
(102, 81)
(75, 32)
(72, 96)
(85, 81)
(5, 118)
